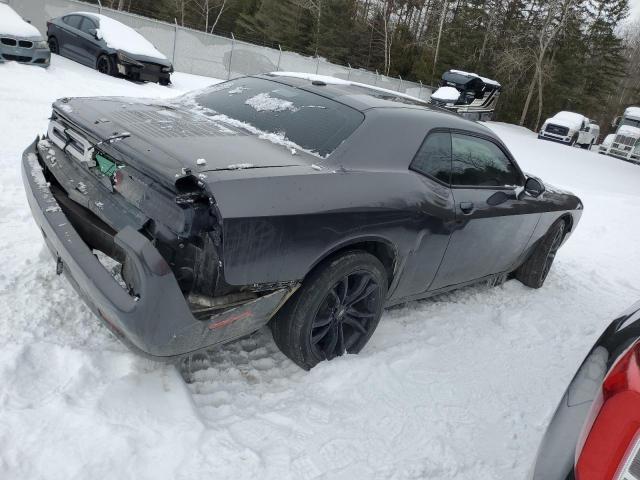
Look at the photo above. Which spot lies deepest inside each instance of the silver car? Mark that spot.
(20, 41)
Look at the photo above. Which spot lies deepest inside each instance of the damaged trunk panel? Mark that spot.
(105, 200)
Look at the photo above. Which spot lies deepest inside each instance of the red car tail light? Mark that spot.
(612, 443)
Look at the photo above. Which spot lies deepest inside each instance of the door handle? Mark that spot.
(466, 207)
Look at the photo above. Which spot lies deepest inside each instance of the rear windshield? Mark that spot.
(315, 123)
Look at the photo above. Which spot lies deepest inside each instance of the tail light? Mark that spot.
(611, 448)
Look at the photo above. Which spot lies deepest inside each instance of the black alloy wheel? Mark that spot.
(533, 272)
(556, 241)
(344, 320)
(104, 65)
(335, 311)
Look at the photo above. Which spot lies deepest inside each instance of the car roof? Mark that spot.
(386, 102)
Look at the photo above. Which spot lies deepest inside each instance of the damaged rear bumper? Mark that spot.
(157, 321)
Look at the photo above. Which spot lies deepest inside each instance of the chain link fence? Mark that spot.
(200, 53)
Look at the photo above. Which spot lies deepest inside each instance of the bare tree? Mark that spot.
(315, 7)
(224, 2)
(554, 20)
(443, 15)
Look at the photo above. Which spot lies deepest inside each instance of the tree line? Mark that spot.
(549, 55)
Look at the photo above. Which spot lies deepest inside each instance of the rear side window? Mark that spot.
(313, 122)
(434, 157)
(87, 25)
(73, 20)
(479, 162)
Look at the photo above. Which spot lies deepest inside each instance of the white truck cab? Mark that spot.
(626, 141)
(571, 129)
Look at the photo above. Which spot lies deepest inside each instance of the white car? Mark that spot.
(571, 129)
(20, 41)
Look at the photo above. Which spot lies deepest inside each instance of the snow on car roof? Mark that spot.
(632, 112)
(13, 24)
(448, 94)
(469, 74)
(338, 81)
(120, 37)
(568, 119)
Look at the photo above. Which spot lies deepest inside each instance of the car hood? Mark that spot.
(31, 38)
(168, 141)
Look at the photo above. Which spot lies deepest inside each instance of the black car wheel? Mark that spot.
(105, 65)
(534, 271)
(335, 311)
(53, 45)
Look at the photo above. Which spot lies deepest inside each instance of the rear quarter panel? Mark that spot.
(282, 226)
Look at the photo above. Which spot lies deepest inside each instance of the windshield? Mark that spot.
(313, 122)
(630, 122)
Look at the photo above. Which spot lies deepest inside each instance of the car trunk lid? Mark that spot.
(167, 142)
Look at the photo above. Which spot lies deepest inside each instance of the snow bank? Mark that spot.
(13, 25)
(447, 94)
(121, 37)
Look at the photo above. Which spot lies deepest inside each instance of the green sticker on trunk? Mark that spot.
(105, 165)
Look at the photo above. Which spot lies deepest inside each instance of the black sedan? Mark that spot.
(595, 431)
(108, 46)
(308, 204)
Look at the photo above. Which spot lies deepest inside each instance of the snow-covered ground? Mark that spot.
(458, 387)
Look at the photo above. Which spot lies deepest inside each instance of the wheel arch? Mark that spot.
(568, 220)
(381, 248)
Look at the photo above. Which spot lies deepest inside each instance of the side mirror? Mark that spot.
(27, 20)
(94, 33)
(534, 187)
(616, 122)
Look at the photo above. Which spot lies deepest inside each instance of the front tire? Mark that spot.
(104, 64)
(533, 272)
(335, 311)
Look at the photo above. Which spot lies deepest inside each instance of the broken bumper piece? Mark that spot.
(156, 321)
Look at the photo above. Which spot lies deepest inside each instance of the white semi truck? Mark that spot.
(625, 143)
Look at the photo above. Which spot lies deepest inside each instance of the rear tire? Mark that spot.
(53, 45)
(335, 311)
(104, 64)
(533, 272)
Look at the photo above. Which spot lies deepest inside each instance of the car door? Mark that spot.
(68, 44)
(494, 220)
(436, 214)
(89, 45)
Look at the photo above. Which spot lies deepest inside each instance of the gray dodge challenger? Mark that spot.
(307, 203)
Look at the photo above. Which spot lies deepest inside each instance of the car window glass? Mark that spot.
(313, 122)
(73, 20)
(479, 162)
(87, 25)
(434, 157)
